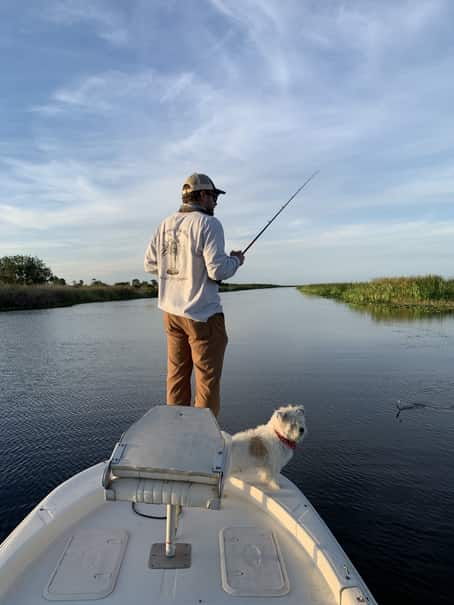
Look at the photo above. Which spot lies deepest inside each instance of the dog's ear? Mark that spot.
(281, 414)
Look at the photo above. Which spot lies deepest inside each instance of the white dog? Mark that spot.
(261, 453)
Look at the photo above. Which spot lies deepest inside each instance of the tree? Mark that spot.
(24, 270)
(57, 281)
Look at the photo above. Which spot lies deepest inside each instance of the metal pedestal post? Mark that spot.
(171, 530)
(170, 555)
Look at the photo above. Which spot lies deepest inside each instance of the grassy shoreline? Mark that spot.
(23, 298)
(429, 292)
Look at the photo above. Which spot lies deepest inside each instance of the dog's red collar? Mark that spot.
(285, 441)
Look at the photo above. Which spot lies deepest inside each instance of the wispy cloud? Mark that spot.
(379, 234)
(108, 24)
(100, 93)
(81, 214)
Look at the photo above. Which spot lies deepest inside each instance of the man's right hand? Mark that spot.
(239, 255)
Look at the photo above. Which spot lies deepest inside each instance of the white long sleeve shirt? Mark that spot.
(188, 254)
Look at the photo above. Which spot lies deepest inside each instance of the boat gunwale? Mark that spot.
(312, 534)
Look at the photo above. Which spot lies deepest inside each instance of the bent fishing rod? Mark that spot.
(279, 211)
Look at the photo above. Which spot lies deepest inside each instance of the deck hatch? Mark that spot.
(251, 563)
(88, 567)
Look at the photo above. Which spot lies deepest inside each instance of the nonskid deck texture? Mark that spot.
(318, 571)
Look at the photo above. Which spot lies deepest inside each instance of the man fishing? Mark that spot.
(188, 254)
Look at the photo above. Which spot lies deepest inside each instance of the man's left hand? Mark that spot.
(239, 255)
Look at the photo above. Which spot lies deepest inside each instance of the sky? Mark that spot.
(106, 106)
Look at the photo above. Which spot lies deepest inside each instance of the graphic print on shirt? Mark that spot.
(172, 251)
(172, 248)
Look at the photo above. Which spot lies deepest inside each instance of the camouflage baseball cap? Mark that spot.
(199, 182)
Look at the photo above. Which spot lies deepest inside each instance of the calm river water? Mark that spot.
(73, 379)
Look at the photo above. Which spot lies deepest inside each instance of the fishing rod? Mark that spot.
(279, 211)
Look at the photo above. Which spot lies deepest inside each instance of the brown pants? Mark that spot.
(200, 346)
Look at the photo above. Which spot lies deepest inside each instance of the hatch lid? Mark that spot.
(88, 568)
(251, 563)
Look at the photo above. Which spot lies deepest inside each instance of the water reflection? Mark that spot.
(385, 313)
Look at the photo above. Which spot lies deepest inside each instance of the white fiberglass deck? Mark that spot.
(318, 570)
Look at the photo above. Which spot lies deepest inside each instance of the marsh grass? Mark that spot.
(431, 291)
(14, 297)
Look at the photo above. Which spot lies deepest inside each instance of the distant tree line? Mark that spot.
(25, 270)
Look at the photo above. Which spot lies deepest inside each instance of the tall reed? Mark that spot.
(430, 290)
